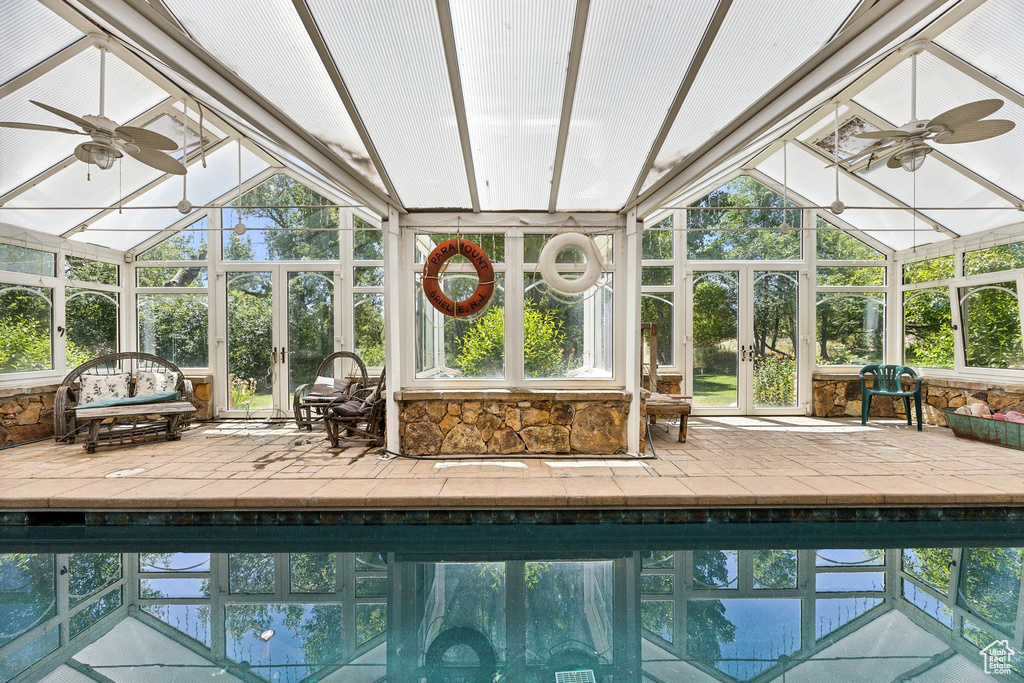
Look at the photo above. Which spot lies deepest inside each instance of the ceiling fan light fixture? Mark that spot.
(102, 155)
(913, 159)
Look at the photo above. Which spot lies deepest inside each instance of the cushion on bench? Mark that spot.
(133, 400)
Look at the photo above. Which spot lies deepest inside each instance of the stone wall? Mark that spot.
(668, 383)
(837, 395)
(508, 422)
(26, 414)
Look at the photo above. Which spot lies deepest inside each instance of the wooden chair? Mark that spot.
(887, 380)
(360, 417)
(310, 399)
(66, 402)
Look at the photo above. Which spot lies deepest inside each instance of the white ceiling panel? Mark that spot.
(989, 38)
(759, 44)
(29, 33)
(941, 87)
(73, 87)
(889, 224)
(634, 57)
(265, 43)
(403, 93)
(512, 61)
(204, 185)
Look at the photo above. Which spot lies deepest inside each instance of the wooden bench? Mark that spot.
(669, 404)
(146, 419)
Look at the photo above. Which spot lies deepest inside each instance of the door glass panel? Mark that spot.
(250, 341)
(715, 338)
(310, 325)
(775, 339)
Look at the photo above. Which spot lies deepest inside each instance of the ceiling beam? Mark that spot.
(824, 156)
(161, 107)
(710, 33)
(868, 35)
(45, 66)
(137, 21)
(937, 154)
(977, 74)
(451, 58)
(579, 28)
(317, 38)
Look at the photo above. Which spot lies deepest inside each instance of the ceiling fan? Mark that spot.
(109, 141)
(907, 147)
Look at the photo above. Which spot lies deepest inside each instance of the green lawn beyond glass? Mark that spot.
(714, 390)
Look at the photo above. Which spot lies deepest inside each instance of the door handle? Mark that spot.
(743, 353)
(275, 355)
(284, 356)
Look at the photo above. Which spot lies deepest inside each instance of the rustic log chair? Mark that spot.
(310, 399)
(131, 362)
(361, 416)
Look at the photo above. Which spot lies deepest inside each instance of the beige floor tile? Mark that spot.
(280, 494)
(404, 493)
(592, 491)
(656, 491)
(772, 490)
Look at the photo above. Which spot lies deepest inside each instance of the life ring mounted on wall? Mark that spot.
(547, 263)
(477, 301)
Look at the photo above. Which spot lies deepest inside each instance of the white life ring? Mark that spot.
(549, 270)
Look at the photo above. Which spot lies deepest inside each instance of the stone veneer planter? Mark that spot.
(501, 421)
(838, 394)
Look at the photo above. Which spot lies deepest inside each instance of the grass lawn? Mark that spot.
(714, 390)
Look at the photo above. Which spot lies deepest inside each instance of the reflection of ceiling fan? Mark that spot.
(109, 140)
(907, 146)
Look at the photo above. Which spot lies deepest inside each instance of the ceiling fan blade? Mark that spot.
(77, 120)
(965, 113)
(145, 138)
(39, 126)
(882, 134)
(979, 130)
(158, 160)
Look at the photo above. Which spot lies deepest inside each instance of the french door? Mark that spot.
(744, 339)
(280, 323)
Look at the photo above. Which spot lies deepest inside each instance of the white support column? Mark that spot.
(393, 293)
(631, 327)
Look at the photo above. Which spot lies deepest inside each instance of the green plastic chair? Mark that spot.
(887, 380)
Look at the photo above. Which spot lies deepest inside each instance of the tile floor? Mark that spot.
(738, 461)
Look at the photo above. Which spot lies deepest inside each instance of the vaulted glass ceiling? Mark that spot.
(461, 105)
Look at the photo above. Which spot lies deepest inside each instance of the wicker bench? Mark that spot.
(144, 419)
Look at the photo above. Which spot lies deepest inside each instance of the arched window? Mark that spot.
(928, 328)
(991, 326)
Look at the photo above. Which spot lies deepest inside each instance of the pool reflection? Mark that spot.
(917, 614)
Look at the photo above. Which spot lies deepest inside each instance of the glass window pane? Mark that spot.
(991, 326)
(715, 338)
(23, 260)
(940, 268)
(461, 347)
(567, 335)
(174, 326)
(716, 232)
(994, 259)
(91, 325)
(89, 573)
(658, 559)
(657, 242)
(990, 585)
(174, 588)
(371, 621)
(284, 642)
(372, 276)
(371, 562)
(192, 620)
(656, 276)
(310, 317)
(656, 584)
(657, 308)
(566, 602)
(187, 245)
(715, 569)
(928, 328)
(371, 587)
(250, 339)
(313, 572)
(275, 234)
(174, 562)
(29, 653)
(850, 276)
(850, 328)
(982, 638)
(656, 618)
(251, 573)
(492, 244)
(844, 557)
(844, 582)
(929, 565)
(832, 613)
(368, 241)
(774, 569)
(27, 584)
(82, 620)
(834, 244)
(533, 244)
(368, 319)
(742, 637)
(174, 276)
(87, 270)
(26, 316)
(927, 603)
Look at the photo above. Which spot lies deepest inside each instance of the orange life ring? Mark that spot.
(477, 301)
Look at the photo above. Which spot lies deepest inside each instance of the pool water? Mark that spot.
(767, 602)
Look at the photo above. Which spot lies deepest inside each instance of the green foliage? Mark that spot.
(774, 380)
(187, 245)
(715, 308)
(482, 347)
(724, 234)
(833, 244)
(992, 326)
(774, 568)
(24, 345)
(87, 270)
(91, 321)
(368, 319)
(174, 326)
(940, 268)
(250, 329)
(994, 259)
(850, 328)
(990, 584)
(928, 328)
